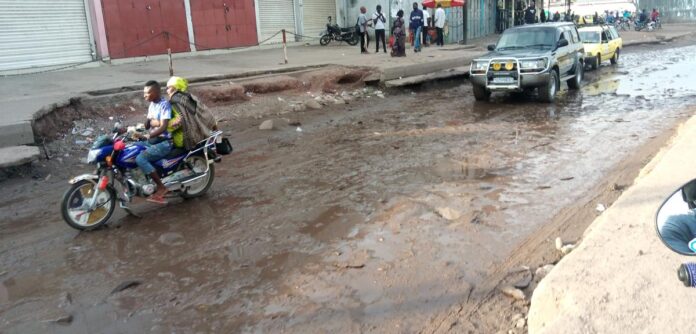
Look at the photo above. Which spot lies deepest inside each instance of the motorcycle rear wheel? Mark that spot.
(74, 201)
(354, 39)
(324, 40)
(199, 187)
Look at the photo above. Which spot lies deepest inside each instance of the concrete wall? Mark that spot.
(672, 10)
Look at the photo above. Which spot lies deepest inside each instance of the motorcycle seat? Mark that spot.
(176, 152)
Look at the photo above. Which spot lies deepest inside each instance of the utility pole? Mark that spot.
(465, 20)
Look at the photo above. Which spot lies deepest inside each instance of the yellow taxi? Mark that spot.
(601, 42)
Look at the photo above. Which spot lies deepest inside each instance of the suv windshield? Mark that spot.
(527, 38)
(589, 36)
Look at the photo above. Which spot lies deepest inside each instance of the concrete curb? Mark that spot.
(621, 278)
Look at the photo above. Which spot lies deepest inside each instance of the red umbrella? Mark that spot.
(445, 3)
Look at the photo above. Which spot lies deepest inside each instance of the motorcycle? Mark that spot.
(640, 25)
(334, 33)
(91, 199)
(675, 223)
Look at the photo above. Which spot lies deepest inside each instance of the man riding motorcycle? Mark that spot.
(164, 134)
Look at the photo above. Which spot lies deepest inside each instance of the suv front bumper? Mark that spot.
(520, 83)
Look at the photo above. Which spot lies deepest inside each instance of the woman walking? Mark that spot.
(399, 48)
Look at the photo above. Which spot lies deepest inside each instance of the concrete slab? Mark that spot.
(18, 155)
(440, 75)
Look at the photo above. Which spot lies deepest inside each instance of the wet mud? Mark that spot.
(379, 216)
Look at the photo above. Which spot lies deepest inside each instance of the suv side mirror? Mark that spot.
(562, 43)
(491, 47)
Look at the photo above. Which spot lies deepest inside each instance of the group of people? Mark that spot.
(178, 121)
(530, 16)
(418, 21)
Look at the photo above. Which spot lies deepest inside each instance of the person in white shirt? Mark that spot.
(426, 17)
(379, 22)
(440, 24)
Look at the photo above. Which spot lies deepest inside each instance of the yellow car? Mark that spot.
(601, 43)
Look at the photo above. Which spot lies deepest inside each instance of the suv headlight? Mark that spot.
(92, 156)
(533, 64)
(479, 66)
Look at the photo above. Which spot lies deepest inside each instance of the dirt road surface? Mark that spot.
(396, 214)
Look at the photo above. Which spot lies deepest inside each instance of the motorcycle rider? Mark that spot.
(654, 15)
(643, 18)
(158, 138)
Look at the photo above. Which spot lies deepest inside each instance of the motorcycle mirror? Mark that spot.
(675, 220)
(117, 127)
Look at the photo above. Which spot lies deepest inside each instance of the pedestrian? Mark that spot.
(440, 19)
(379, 22)
(595, 18)
(542, 16)
(556, 16)
(530, 14)
(416, 26)
(399, 33)
(426, 19)
(362, 26)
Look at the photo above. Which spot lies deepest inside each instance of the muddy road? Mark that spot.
(384, 215)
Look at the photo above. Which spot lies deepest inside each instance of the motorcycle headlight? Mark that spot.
(479, 66)
(533, 64)
(92, 156)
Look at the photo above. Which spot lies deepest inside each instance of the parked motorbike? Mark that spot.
(91, 199)
(642, 25)
(334, 33)
(675, 222)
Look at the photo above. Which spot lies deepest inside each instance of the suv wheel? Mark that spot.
(615, 59)
(576, 81)
(481, 93)
(547, 92)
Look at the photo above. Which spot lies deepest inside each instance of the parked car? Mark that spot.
(529, 57)
(602, 42)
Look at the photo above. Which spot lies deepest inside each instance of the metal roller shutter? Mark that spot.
(315, 14)
(39, 33)
(275, 15)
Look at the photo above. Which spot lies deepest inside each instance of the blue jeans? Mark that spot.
(417, 38)
(154, 152)
(678, 231)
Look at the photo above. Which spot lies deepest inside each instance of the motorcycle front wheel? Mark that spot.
(77, 201)
(354, 39)
(324, 40)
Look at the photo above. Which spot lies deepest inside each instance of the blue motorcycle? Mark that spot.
(92, 198)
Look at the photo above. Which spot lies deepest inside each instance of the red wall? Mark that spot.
(130, 23)
(223, 23)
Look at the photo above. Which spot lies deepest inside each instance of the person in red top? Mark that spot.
(654, 15)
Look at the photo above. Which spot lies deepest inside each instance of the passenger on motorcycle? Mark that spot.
(198, 122)
(643, 18)
(654, 15)
(163, 135)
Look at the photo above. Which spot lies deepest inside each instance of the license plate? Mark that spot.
(505, 80)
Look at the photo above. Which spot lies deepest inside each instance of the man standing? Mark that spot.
(159, 142)
(379, 21)
(440, 18)
(362, 26)
(530, 14)
(416, 26)
(426, 17)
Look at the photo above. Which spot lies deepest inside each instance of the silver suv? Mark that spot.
(528, 57)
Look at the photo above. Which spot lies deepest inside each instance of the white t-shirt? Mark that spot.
(440, 18)
(426, 16)
(377, 21)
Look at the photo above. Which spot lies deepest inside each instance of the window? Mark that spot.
(562, 36)
(574, 31)
(614, 32)
(604, 37)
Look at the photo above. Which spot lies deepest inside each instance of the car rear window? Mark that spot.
(589, 37)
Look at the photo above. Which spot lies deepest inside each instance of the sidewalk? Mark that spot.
(26, 94)
(622, 279)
